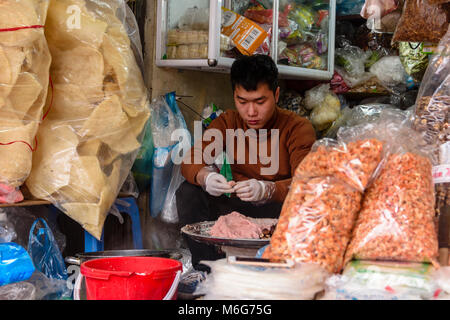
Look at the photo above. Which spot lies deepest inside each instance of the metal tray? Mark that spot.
(200, 232)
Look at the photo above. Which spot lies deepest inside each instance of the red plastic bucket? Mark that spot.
(131, 278)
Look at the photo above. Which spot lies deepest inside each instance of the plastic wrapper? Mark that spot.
(325, 106)
(315, 223)
(93, 132)
(49, 288)
(245, 34)
(18, 291)
(413, 59)
(357, 115)
(397, 219)
(352, 59)
(372, 280)
(353, 162)
(422, 22)
(237, 282)
(353, 81)
(390, 72)
(15, 264)
(7, 232)
(187, 44)
(166, 177)
(337, 84)
(24, 81)
(44, 251)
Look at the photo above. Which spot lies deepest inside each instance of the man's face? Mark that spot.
(256, 107)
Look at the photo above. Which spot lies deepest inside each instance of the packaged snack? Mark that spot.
(413, 59)
(245, 34)
(422, 22)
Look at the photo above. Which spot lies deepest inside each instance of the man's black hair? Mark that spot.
(251, 71)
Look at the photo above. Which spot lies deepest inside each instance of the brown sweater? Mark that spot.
(296, 137)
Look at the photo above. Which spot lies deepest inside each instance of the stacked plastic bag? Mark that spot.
(24, 80)
(239, 282)
(100, 108)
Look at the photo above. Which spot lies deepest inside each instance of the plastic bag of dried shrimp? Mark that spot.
(397, 220)
(315, 223)
(352, 162)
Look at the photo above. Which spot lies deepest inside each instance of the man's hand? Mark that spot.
(250, 190)
(217, 185)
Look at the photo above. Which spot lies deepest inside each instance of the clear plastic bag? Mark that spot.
(44, 251)
(315, 223)
(432, 117)
(236, 282)
(49, 288)
(166, 176)
(353, 162)
(18, 291)
(93, 132)
(364, 113)
(433, 101)
(390, 72)
(24, 81)
(7, 232)
(372, 280)
(422, 21)
(352, 59)
(397, 219)
(325, 106)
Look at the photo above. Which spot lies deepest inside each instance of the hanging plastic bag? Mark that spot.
(94, 130)
(15, 263)
(44, 251)
(166, 118)
(24, 81)
(422, 22)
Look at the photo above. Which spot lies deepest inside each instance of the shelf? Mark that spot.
(37, 202)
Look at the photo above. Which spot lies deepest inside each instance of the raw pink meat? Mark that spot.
(237, 226)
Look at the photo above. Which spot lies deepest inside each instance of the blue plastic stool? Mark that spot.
(91, 244)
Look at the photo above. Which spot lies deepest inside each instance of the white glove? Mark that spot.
(216, 184)
(251, 190)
